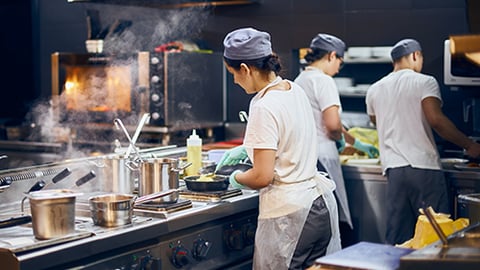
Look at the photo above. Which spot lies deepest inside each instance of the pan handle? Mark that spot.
(154, 196)
(14, 221)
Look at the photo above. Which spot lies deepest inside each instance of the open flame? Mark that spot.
(98, 89)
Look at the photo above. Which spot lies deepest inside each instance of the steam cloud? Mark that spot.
(150, 28)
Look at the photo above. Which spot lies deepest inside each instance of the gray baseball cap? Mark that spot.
(405, 47)
(247, 44)
(328, 43)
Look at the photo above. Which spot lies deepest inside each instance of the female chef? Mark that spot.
(325, 58)
(297, 211)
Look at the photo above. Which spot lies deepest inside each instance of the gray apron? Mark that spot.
(328, 157)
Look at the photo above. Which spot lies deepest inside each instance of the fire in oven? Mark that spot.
(176, 88)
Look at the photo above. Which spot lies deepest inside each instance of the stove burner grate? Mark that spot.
(209, 196)
(180, 204)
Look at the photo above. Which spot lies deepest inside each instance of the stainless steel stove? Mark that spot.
(200, 231)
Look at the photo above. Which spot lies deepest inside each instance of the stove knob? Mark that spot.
(155, 60)
(249, 233)
(155, 97)
(155, 79)
(234, 239)
(180, 256)
(200, 249)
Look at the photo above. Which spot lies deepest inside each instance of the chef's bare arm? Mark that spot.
(445, 128)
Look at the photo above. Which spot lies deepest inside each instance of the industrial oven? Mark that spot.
(176, 88)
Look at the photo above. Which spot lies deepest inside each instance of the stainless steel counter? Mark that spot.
(366, 190)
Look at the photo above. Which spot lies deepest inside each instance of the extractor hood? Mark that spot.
(170, 3)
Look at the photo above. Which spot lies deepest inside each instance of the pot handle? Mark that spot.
(182, 167)
(153, 196)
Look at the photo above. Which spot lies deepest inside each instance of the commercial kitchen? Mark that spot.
(99, 98)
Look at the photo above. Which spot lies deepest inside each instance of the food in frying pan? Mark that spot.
(206, 177)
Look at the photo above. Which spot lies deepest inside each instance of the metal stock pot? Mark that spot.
(160, 174)
(53, 212)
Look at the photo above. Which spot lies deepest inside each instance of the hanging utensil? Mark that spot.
(119, 125)
(145, 118)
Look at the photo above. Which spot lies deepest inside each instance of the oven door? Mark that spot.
(94, 88)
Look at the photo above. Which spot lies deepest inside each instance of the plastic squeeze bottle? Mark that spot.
(194, 154)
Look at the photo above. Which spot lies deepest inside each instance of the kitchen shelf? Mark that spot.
(348, 60)
(353, 95)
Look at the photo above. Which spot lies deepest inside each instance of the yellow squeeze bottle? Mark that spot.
(194, 154)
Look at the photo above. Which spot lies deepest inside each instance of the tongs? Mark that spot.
(438, 230)
(119, 125)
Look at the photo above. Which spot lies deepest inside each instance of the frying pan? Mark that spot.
(218, 183)
(229, 169)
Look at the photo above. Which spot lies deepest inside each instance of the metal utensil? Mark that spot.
(438, 230)
(145, 118)
(119, 124)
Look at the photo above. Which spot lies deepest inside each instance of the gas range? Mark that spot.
(204, 235)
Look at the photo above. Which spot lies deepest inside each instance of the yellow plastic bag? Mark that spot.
(425, 234)
(366, 135)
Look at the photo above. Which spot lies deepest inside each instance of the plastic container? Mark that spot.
(194, 154)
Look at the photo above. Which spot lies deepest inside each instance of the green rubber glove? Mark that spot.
(367, 148)
(233, 181)
(233, 156)
(340, 144)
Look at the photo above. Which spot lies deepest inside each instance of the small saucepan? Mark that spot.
(112, 210)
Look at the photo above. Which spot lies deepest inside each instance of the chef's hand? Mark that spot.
(233, 181)
(233, 156)
(369, 149)
(340, 144)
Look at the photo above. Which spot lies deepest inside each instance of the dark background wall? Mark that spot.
(40, 28)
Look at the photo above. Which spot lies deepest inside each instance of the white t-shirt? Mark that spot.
(283, 121)
(405, 137)
(322, 93)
